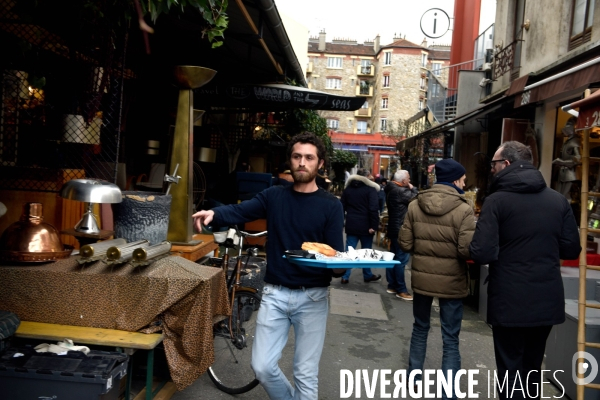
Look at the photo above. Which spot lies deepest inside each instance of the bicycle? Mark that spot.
(231, 371)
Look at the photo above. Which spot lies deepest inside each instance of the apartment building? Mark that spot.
(392, 79)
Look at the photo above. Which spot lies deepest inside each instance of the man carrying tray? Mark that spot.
(293, 295)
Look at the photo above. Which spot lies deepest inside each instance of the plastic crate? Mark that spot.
(26, 374)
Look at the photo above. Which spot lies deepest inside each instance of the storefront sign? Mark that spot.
(588, 117)
(275, 94)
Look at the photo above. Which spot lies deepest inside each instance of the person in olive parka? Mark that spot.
(437, 229)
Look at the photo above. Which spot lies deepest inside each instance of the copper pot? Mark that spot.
(32, 240)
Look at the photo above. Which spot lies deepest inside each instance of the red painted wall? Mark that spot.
(466, 30)
(369, 139)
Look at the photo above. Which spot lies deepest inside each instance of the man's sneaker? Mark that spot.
(392, 291)
(374, 278)
(344, 281)
(404, 296)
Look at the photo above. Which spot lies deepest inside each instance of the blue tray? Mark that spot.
(342, 263)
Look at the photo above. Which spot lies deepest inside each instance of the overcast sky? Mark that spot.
(363, 19)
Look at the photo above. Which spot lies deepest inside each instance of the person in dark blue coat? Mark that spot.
(524, 230)
(361, 206)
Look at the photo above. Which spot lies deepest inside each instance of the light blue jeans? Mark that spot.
(281, 308)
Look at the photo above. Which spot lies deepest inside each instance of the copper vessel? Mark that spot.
(32, 240)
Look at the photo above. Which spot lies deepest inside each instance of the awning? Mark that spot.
(450, 124)
(276, 96)
(517, 85)
(384, 148)
(407, 143)
(589, 111)
(350, 147)
(579, 76)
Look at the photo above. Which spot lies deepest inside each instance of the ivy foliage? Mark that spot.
(343, 159)
(213, 12)
(300, 120)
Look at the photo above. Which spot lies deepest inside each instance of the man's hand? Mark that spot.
(410, 186)
(371, 231)
(203, 217)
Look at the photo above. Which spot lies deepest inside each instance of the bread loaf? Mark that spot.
(320, 248)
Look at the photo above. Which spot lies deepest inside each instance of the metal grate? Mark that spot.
(60, 114)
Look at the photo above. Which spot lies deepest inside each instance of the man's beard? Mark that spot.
(304, 178)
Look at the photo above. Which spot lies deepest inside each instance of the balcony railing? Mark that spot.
(483, 47)
(363, 70)
(504, 60)
(363, 112)
(441, 93)
(366, 91)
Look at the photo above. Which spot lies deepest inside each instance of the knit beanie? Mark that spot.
(448, 170)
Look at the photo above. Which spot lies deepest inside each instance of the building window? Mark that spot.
(435, 90)
(334, 62)
(383, 124)
(424, 60)
(333, 124)
(436, 69)
(420, 105)
(365, 105)
(384, 102)
(386, 81)
(422, 83)
(361, 127)
(365, 66)
(581, 26)
(350, 123)
(387, 58)
(333, 83)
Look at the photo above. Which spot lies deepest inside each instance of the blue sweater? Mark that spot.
(292, 218)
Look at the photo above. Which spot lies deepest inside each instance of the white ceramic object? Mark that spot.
(388, 256)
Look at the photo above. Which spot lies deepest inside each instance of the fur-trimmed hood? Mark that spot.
(356, 180)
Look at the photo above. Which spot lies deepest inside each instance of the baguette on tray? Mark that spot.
(321, 248)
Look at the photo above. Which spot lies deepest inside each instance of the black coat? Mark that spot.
(524, 230)
(397, 201)
(361, 205)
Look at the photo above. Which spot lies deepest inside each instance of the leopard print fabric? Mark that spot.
(173, 295)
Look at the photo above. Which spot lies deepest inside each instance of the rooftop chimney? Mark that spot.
(322, 40)
(424, 42)
(376, 46)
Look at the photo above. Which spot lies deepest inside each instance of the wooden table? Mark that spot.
(196, 252)
(172, 295)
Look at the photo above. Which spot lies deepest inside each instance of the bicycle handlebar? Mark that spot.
(248, 234)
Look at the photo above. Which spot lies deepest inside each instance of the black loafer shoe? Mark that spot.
(374, 278)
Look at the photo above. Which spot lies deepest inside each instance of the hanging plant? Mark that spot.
(213, 12)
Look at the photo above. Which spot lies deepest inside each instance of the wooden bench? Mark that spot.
(128, 341)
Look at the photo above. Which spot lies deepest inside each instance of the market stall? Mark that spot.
(172, 295)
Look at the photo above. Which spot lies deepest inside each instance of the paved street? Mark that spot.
(364, 341)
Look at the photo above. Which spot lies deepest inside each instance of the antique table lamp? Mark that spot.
(90, 191)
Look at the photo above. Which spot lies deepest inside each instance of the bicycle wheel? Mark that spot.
(231, 372)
